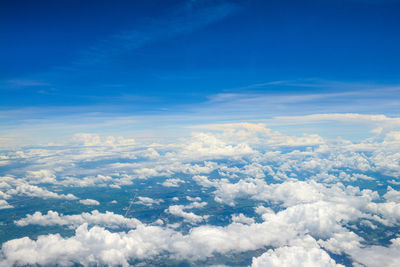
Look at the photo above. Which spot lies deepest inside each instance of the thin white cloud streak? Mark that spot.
(257, 105)
(378, 124)
(324, 86)
(184, 19)
(51, 123)
(161, 128)
(19, 83)
(350, 117)
(181, 20)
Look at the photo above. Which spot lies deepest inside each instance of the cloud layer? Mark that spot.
(231, 190)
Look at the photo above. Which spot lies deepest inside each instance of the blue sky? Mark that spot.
(201, 60)
(200, 132)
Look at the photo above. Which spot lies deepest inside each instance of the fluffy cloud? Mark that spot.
(107, 219)
(41, 176)
(393, 137)
(392, 195)
(258, 134)
(293, 194)
(242, 219)
(172, 182)
(320, 219)
(289, 193)
(204, 146)
(4, 204)
(203, 181)
(194, 199)
(376, 256)
(88, 139)
(294, 256)
(100, 246)
(97, 245)
(178, 210)
(89, 202)
(35, 191)
(148, 201)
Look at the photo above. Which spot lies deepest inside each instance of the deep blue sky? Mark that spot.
(156, 55)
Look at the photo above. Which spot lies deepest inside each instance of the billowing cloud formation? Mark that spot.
(148, 201)
(35, 191)
(179, 210)
(248, 133)
(108, 219)
(11, 187)
(89, 202)
(172, 182)
(294, 256)
(4, 204)
(307, 255)
(97, 245)
(375, 256)
(95, 140)
(237, 188)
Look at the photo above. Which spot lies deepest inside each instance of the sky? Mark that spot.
(78, 63)
(200, 133)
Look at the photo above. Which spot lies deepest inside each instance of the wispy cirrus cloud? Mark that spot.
(184, 19)
(16, 84)
(23, 83)
(180, 20)
(307, 97)
(274, 107)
